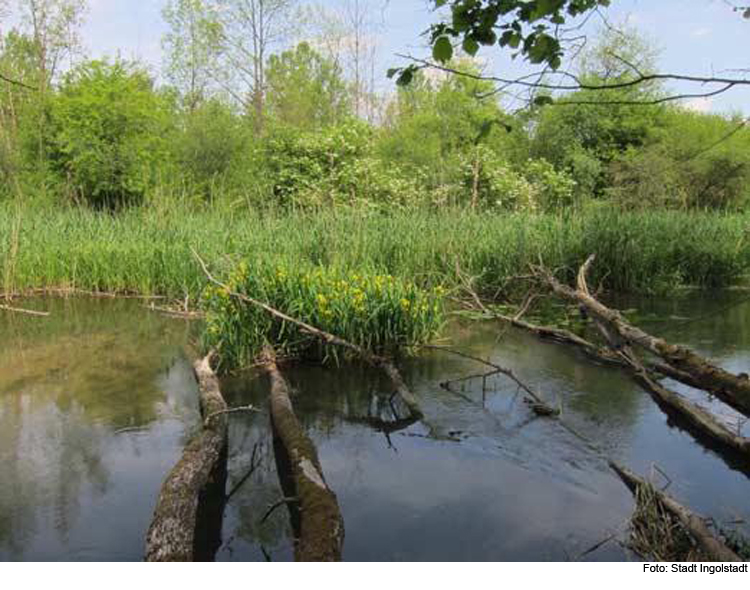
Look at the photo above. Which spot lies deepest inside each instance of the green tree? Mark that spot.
(108, 129)
(19, 107)
(250, 31)
(190, 48)
(210, 146)
(586, 130)
(306, 90)
(435, 127)
(691, 161)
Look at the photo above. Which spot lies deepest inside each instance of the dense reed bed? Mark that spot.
(148, 252)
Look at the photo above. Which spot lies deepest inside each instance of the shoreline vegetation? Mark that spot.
(147, 253)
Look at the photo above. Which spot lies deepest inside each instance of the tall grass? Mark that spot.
(147, 252)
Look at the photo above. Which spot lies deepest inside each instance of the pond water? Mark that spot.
(98, 400)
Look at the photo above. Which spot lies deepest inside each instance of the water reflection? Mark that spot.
(97, 401)
(91, 399)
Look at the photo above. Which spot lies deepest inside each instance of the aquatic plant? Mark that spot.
(374, 311)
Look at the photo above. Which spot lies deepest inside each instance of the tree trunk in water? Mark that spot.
(619, 336)
(733, 390)
(181, 520)
(693, 523)
(316, 517)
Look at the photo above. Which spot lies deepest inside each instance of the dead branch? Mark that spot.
(175, 312)
(321, 527)
(692, 523)
(172, 534)
(244, 409)
(329, 339)
(733, 390)
(609, 324)
(42, 314)
(537, 404)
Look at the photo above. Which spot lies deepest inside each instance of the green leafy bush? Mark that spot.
(553, 189)
(107, 133)
(210, 146)
(489, 180)
(333, 167)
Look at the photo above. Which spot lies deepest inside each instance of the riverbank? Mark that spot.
(148, 252)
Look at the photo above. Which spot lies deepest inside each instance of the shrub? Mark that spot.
(554, 189)
(333, 167)
(209, 145)
(108, 128)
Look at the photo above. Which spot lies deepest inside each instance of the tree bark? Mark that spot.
(617, 333)
(693, 523)
(190, 484)
(733, 390)
(316, 517)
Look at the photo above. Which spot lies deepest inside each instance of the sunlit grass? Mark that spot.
(147, 252)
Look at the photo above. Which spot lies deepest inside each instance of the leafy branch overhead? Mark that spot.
(530, 28)
(544, 33)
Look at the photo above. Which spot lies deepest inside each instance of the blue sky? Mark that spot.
(695, 36)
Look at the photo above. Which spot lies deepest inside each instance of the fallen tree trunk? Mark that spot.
(695, 416)
(693, 524)
(705, 422)
(172, 534)
(316, 516)
(733, 390)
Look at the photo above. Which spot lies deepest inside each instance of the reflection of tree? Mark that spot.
(67, 384)
(251, 501)
(48, 456)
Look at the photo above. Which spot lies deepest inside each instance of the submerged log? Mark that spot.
(316, 516)
(202, 467)
(692, 523)
(733, 390)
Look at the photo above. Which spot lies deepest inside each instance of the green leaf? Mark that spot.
(543, 100)
(442, 51)
(405, 78)
(470, 46)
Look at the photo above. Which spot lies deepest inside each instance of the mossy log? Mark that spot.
(315, 511)
(172, 534)
(691, 368)
(691, 522)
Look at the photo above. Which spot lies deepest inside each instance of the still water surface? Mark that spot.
(97, 401)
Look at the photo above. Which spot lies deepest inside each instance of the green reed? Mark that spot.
(148, 252)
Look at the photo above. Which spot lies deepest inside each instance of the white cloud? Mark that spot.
(702, 32)
(700, 105)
